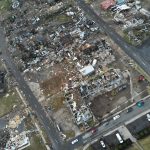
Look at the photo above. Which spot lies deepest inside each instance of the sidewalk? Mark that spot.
(138, 116)
(36, 125)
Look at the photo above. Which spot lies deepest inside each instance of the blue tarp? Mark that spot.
(120, 2)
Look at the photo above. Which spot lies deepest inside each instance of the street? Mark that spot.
(50, 129)
(131, 51)
(31, 99)
(113, 124)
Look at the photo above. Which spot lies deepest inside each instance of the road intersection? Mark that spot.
(51, 130)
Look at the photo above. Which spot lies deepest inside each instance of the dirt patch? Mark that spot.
(70, 134)
(103, 104)
(64, 118)
(57, 102)
(55, 83)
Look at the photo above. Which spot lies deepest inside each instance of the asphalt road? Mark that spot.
(144, 50)
(134, 127)
(87, 137)
(48, 125)
(132, 52)
(135, 53)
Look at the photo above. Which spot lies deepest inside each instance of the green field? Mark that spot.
(133, 147)
(145, 143)
(8, 101)
(36, 143)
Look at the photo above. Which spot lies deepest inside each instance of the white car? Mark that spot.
(116, 117)
(148, 117)
(103, 144)
(74, 141)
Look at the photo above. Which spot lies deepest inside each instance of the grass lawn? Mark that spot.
(63, 18)
(70, 134)
(36, 143)
(145, 143)
(28, 123)
(4, 4)
(141, 71)
(133, 147)
(8, 101)
(88, 1)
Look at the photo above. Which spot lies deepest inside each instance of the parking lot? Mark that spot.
(138, 125)
(111, 140)
(98, 146)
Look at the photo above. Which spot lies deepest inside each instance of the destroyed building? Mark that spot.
(102, 83)
(17, 141)
(2, 82)
(41, 43)
(4, 138)
(81, 113)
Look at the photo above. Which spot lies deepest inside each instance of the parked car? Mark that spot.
(103, 144)
(119, 138)
(93, 130)
(148, 117)
(129, 109)
(116, 117)
(74, 141)
(105, 124)
(140, 103)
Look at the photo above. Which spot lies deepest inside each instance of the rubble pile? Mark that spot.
(17, 141)
(4, 137)
(131, 17)
(80, 111)
(103, 83)
(42, 36)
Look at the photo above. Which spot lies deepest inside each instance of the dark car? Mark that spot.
(129, 109)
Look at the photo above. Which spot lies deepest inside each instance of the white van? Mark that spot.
(74, 141)
(119, 138)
